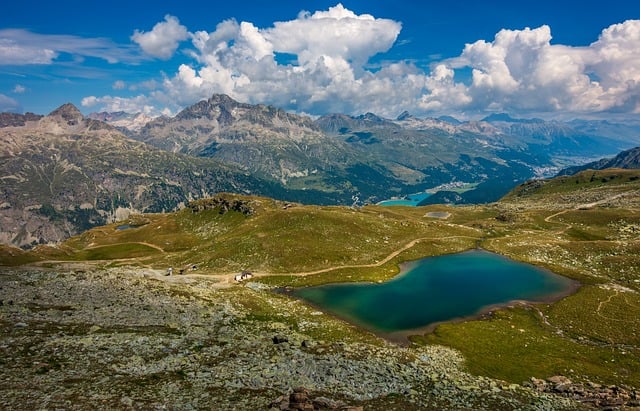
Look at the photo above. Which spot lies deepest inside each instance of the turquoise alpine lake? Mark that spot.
(411, 200)
(438, 289)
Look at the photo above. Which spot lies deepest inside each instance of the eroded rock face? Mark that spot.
(266, 140)
(16, 120)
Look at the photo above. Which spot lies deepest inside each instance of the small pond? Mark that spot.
(438, 289)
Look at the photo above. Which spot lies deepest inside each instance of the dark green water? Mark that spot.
(437, 289)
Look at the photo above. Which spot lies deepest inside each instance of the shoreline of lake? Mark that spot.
(401, 337)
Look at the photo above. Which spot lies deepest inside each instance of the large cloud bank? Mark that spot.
(318, 63)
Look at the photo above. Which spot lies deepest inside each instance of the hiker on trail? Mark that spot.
(170, 271)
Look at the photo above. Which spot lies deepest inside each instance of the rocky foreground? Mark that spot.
(134, 339)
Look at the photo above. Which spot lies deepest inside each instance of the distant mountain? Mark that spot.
(496, 153)
(342, 123)
(15, 120)
(615, 131)
(276, 146)
(556, 138)
(629, 159)
(429, 152)
(63, 173)
(506, 118)
(126, 122)
(450, 120)
(404, 116)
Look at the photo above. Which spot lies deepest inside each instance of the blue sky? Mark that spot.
(549, 59)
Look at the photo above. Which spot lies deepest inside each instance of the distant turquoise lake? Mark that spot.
(410, 200)
(438, 289)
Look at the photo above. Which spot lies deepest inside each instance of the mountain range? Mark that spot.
(63, 173)
(377, 158)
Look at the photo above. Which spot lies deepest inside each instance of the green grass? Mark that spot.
(600, 314)
(514, 345)
(116, 251)
(11, 256)
(585, 180)
(303, 239)
(581, 234)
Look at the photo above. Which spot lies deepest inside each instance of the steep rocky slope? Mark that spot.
(266, 141)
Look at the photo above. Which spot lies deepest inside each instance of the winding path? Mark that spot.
(228, 278)
(589, 205)
(128, 242)
(385, 260)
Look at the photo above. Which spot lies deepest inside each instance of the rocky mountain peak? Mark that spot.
(404, 116)
(69, 113)
(219, 107)
(107, 116)
(450, 119)
(371, 117)
(130, 122)
(222, 100)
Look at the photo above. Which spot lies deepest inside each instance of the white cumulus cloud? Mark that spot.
(522, 71)
(163, 40)
(331, 49)
(337, 33)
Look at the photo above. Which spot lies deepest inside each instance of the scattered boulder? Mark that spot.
(222, 204)
(279, 339)
(322, 403)
(560, 383)
(590, 393)
(300, 400)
